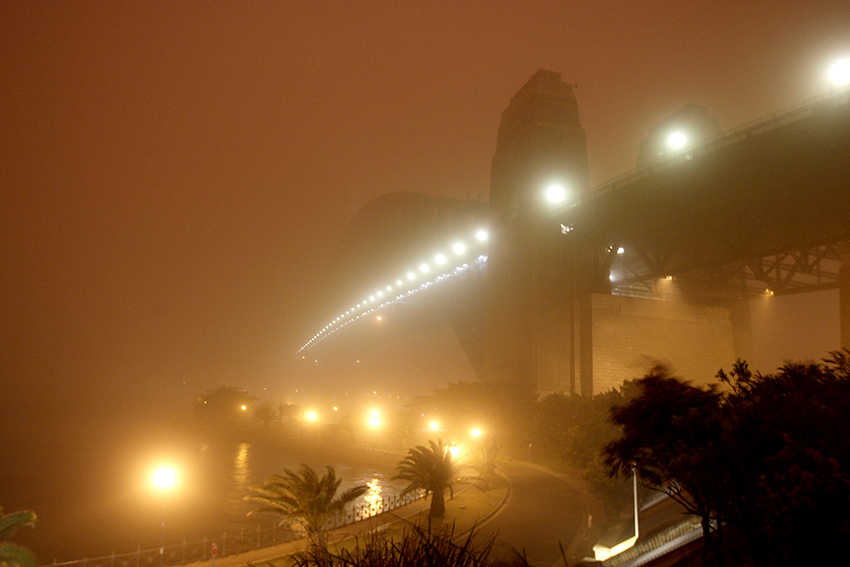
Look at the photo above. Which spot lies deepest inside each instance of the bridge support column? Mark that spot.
(844, 293)
(585, 343)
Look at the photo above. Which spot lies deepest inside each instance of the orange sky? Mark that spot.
(173, 174)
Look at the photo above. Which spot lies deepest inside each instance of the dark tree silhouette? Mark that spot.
(768, 458)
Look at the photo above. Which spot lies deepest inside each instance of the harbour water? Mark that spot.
(91, 488)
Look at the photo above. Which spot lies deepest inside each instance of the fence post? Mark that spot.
(258, 536)
(184, 549)
(224, 544)
(112, 559)
(138, 555)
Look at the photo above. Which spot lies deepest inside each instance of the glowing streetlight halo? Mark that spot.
(839, 72)
(164, 477)
(676, 140)
(556, 193)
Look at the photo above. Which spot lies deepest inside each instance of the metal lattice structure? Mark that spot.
(760, 209)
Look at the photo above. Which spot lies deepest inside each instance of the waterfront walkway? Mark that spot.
(469, 508)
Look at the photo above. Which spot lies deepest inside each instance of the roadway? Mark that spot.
(543, 508)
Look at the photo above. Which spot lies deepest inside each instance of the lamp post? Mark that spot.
(164, 479)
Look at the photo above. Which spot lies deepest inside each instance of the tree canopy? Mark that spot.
(766, 455)
(225, 403)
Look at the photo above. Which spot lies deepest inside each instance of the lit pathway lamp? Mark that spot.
(164, 479)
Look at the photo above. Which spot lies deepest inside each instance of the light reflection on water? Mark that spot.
(241, 472)
(374, 495)
(252, 464)
(110, 506)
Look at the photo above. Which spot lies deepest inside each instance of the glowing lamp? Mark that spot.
(677, 140)
(839, 73)
(164, 478)
(556, 194)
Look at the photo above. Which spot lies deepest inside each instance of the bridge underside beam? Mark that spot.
(764, 213)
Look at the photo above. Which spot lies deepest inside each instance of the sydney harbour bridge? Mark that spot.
(565, 287)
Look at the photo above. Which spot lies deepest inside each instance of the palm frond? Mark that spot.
(12, 555)
(11, 523)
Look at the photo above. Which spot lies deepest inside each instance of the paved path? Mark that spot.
(543, 508)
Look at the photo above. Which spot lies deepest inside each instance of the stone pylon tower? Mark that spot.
(533, 320)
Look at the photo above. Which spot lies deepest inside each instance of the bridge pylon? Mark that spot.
(537, 299)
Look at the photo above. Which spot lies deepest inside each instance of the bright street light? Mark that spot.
(476, 432)
(676, 140)
(839, 73)
(164, 478)
(556, 194)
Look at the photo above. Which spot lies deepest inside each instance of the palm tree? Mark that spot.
(12, 555)
(306, 499)
(430, 469)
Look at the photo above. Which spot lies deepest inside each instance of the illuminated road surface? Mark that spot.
(541, 511)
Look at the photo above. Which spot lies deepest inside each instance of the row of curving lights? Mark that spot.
(404, 287)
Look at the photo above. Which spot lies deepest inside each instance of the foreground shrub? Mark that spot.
(418, 546)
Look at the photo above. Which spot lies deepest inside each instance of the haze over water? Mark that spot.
(89, 481)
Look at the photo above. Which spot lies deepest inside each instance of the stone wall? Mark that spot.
(630, 334)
